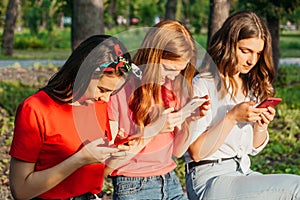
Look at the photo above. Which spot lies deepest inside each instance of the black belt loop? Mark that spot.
(193, 164)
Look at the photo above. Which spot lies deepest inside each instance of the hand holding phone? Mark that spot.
(270, 101)
(191, 106)
(124, 141)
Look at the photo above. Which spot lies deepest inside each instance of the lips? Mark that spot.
(247, 67)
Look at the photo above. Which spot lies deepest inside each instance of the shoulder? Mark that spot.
(38, 101)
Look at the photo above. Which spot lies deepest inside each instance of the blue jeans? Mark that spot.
(226, 181)
(165, 187)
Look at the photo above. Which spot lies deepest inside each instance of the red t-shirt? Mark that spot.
(47, 132)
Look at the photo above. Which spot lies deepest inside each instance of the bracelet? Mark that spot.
(261, 130)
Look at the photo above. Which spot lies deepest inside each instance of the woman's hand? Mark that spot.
(171, 120)
(266, 118)
(245, 112)
(202, 110)
(97, 151)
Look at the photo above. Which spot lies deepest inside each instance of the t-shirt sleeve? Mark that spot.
(199, 126)
(27, 138)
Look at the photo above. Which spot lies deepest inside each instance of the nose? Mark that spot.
(252, 59)
(173, 75)
(105, 96)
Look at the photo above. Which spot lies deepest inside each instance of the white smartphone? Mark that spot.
(191, 106)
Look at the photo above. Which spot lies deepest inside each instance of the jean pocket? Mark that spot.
(126, 186)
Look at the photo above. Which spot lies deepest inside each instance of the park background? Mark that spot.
(46, 31)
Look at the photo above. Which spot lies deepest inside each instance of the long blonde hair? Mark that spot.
(169, 40)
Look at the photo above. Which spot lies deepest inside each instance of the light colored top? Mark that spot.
(239, 142)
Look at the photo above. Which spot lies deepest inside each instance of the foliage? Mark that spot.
(43, 40)
(271, 8)
(37, 14)
(12, 93)
(289, 44)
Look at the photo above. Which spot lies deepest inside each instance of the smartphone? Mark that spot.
(119, 141)
(270, 101)
(191, 106)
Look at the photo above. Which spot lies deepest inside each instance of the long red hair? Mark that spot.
(169, 40)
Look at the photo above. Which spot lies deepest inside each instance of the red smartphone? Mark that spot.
(119, 141)
(270, 101)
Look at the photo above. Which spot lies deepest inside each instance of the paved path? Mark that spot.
(28, 63)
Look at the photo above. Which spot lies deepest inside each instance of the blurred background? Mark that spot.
(37, 36)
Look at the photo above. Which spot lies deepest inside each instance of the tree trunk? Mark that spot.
(273, 24)
(112, 10)
(186, 13)
(9, 28)
(87, 20)
(219, 12)
(171, 9)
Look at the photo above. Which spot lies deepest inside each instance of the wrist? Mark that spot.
(230, 117)
(260, 130)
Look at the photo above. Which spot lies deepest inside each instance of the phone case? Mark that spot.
(270, 101)
(191, 106)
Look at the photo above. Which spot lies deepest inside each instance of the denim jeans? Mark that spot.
(165, 187)
(226, 181)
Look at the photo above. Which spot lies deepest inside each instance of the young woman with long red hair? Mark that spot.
(167, 58)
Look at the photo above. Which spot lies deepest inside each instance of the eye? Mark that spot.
(245, 51)
(103, 90)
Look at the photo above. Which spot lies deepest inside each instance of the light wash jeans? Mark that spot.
(165, 187)
(225, 181)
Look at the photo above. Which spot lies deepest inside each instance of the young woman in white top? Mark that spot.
(236, 73)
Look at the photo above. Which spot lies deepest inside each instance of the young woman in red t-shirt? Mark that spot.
(59, 147)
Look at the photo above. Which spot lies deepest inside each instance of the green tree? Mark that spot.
(195, 14)
(272, 11)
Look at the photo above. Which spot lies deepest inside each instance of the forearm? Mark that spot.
(181, 141)
(211, 140)
(26, 183)
(259, 136)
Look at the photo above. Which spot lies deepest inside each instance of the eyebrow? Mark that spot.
(246, 48)
(167, 69)
(104, 89)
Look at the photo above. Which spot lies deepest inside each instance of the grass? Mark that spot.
(290, 44)
(59, 46)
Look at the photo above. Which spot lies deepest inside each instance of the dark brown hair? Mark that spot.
(72, 80)
(221, 53)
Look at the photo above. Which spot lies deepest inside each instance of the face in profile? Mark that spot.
(248, 53)
(171, 68)
(101, 89)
